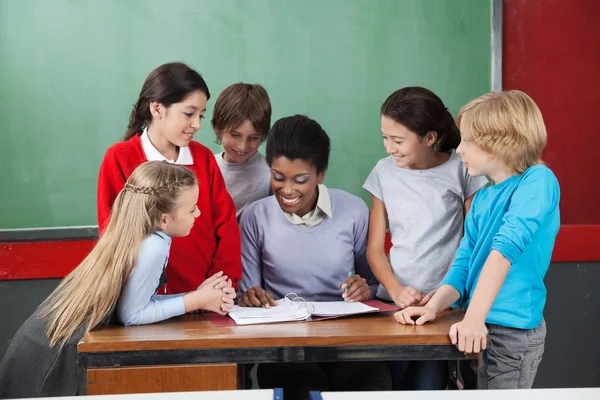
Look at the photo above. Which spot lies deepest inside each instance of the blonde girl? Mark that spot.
(117, 280)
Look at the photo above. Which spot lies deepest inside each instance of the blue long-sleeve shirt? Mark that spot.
(138, 303)
(520, 219)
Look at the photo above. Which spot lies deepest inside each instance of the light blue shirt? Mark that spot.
(520, 219)
(138, 303)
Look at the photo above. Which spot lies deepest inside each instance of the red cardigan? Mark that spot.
(213, 244)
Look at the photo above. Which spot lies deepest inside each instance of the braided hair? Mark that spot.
(89, 294)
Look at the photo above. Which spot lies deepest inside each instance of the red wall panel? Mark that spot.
(551, 51)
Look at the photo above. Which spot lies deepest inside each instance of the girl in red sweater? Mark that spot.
(162, 124)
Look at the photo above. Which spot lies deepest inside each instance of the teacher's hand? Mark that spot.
(256, 297)
(355, 288)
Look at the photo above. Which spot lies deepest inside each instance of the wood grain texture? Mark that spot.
(195, 332)
(175, 378)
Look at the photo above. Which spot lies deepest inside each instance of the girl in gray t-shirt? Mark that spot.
(422, 190)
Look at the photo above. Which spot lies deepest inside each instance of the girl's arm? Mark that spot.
(376, 247)
(453, 286)
(138, 304)
(403, 296)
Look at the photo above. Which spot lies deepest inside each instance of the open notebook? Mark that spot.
(295, 308)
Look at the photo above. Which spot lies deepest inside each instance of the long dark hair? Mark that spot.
(422, 111)
(168, 84)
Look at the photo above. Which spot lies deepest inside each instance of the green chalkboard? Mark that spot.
(70, 71)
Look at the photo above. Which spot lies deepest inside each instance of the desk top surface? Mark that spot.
(195, 332)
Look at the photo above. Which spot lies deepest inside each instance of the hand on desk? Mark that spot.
(355, 288)
(256, 297)
(468, 335)
(214, 294)
(415, 315)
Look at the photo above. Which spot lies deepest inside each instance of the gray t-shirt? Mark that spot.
(425, 210)
(246, 182)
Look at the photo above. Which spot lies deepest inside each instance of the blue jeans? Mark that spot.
(419, 375)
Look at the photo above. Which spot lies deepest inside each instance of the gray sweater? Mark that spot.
(246, 182)
(312, 262)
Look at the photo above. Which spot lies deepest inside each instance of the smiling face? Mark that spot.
(178, 123)
(240, 143)
(294, 184)
(407, 148)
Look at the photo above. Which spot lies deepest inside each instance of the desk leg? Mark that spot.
(83, 381)
(473, 372)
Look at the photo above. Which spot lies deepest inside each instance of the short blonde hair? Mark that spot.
(508, 126)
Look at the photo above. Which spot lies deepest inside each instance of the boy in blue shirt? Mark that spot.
(498, 270)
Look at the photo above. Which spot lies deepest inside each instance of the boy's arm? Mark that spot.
(443, 298)
(489, 284)
(459, 271)
(453, 286)
(535, 198)
(470, 335)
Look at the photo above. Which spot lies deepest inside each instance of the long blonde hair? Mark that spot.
(87, 296)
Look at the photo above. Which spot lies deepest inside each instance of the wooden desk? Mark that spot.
(264, 394)
(189, 353)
